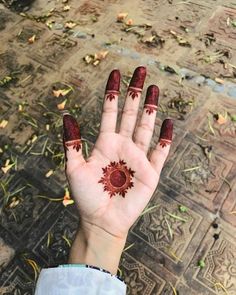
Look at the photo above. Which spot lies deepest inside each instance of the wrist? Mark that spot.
(94, 246)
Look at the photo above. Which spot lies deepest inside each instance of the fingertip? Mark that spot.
(113, 82)
(138, 77)
(166, 132)
(152, 95)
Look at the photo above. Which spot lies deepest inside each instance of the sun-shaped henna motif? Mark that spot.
(164, 142)
(134, 92)
(150, 108)
(111, 94)
(75, 143)
(117, 178)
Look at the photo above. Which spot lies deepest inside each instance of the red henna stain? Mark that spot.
(137, 81)
(117, 178)
(166, 133)
(71, 132)
(150, 108)
(113, 85)
(151, 100)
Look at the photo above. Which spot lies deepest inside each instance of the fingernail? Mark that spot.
(166, 133)
(151, 100)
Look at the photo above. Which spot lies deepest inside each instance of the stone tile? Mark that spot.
(201, 179)
(219, 257)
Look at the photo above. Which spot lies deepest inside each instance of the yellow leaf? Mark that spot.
(220, 119)
(129, 22)
(121, 16)
(47, 127)
(7, 168)
(32, 39)
(70, 25)
(66, 8)
(101, 55)
(61, 92)
(61, 106)
(49, 173)
(67, 202)
(3, 124)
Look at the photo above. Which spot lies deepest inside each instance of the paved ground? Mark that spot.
(189, 48)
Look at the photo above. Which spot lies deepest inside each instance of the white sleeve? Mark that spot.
(78, 281)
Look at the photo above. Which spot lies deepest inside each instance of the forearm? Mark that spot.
(94, 246)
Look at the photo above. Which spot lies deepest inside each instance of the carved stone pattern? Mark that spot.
(205, 177)
(54, 247)
(154, 228)
(54, 51)
(220, 267)
(139, 279)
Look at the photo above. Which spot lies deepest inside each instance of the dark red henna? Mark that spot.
(137, 81)
(113, 85)
(151, 100)
(166, 133)
(117, 178)
(71, 133)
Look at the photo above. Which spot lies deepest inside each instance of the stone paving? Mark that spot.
(189, 48)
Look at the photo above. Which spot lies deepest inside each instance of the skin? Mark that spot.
(105, 220)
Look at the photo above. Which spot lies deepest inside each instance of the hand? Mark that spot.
(113, 186)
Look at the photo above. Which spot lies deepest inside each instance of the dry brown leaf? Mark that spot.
(221, 119)
(121, 16)
(3, 124)
(61, 92)
(70, 25)
(66, 8)
(101, 55)
(61, 106)
(32, 39)
(129, 22)
(49, 173)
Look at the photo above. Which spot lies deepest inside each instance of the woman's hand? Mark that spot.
(113, 186)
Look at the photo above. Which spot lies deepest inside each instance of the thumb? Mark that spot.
(72, 143)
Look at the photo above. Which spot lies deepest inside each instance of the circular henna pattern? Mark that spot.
(117, 178)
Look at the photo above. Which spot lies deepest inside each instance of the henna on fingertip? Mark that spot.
(166, 133)
(151, 100)
(71, 133)
(137, 82)
(113, 85)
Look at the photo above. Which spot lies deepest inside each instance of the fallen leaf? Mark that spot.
(32, 39)
(67, 202)
(129, 22)
(7, 167)
(61, 92)
(61, 106)
(3, 124)
(220, 119)
(101, 55)
(49, 173)
(121, 16)
(70, 25)
(66, 8)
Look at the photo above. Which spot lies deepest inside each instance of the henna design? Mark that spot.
(166, 133)
(117, 178)
(134, 92)
(151, 100)
(137, 81)
(113, 85)
(71, 133)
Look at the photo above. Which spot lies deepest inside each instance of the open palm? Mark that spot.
(114, 185)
